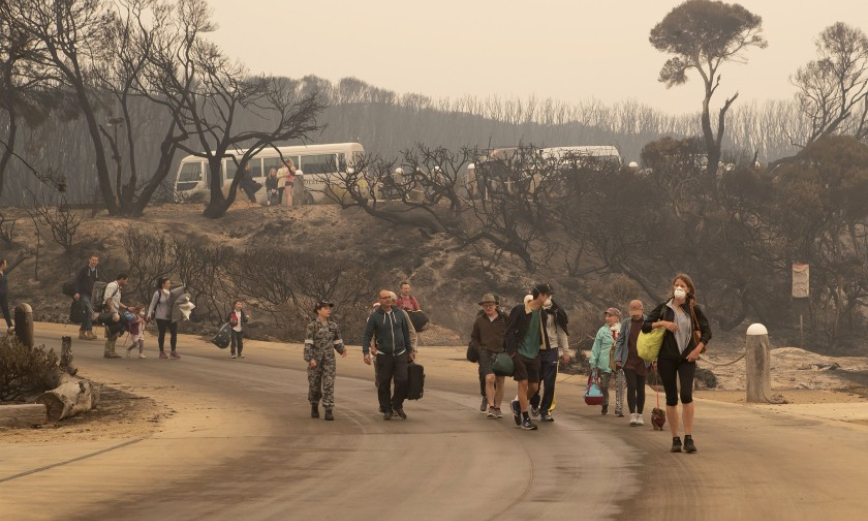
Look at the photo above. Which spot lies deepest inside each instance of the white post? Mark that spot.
(758, 365)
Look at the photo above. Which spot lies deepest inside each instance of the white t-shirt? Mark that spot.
(237, 326)
(113, 293)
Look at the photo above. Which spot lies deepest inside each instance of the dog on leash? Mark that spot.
(658, 418)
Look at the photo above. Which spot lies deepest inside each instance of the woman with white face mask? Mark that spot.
(687, 334)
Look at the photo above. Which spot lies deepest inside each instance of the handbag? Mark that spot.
(472, 353)
(648, 344)
(593, 394)
(503, 364)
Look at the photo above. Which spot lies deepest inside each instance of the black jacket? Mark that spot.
(669, 349)
(84, 280)
(516, 328)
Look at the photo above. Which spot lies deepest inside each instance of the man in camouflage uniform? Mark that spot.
(322, 337)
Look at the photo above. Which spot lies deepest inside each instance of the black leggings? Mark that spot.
(162, 325)
(4, 308)
(669, 369)
(635, 391)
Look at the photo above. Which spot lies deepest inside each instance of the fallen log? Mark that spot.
(26, 415)
(72, 396)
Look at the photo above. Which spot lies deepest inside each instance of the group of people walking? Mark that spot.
(535, 336)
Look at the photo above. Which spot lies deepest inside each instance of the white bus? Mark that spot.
(602, 153)
(314, 165)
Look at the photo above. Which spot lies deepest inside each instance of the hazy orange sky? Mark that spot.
(568, 50)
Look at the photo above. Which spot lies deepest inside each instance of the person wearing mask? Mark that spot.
(394, 351)
(627, 358)
(557, 347)
(602, 360)
(487, 338)
(687, 334)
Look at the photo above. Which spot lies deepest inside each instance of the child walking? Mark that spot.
(137, 331)
(237, 319)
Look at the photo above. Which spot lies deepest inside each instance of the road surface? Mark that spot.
(243, 446)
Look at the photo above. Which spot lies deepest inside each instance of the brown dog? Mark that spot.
(658, 418)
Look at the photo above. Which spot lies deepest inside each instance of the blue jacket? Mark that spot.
(392, 331)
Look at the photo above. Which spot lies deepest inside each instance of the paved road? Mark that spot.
(243, 447)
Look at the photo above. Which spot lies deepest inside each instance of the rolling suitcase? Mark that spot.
(415, 381)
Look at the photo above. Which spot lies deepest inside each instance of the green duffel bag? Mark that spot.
(503, 365)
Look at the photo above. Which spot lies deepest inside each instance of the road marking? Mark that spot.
(62, 463)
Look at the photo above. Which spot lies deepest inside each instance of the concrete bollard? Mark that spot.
(758, 365)
(24, 324)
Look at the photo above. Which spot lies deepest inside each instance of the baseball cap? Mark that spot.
(612, 311)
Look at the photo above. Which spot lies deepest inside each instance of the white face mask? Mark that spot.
(679, 293)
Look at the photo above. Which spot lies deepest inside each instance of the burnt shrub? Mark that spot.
(25, 372)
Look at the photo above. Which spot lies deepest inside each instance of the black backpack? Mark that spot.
(68, 288)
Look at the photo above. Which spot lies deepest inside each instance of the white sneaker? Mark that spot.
(142, 356)
(639, 419)
(534, 413)
(633, 421)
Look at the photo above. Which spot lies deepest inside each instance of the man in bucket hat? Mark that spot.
(322, 340)
(487, 338)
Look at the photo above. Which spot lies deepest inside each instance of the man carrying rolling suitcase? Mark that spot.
(394, 351)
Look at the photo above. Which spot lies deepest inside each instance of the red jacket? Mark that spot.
(410, 303)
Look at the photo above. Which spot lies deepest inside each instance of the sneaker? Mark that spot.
(401, 413)
(175, 356)
(111, 355)
(490, 414)
(633, 421)
(142, 356)
(516, 412)
(387, 415)
(484, 405)
(534, 413)
(314, 410)
(689, 447)
(546, 417)
(497, 414)
(240, 356)
(329, 416)
(82, 335)
(676, 444)
(90, 336)
(619, 414)
(605, 410)
(163, 355)
(233, 357)
(639, 419)
(528, 425)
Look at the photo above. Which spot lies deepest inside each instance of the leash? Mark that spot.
(705, 359)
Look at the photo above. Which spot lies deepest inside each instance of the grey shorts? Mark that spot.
(486, 360)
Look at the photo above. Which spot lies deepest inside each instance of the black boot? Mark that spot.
(676, 444)
(329, 416)
(314, 410)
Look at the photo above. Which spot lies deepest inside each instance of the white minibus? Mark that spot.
(315, 164)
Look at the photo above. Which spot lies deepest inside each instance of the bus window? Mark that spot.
(190, 172)
(270, 162)
(319, 164)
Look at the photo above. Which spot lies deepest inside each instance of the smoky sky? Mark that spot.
(572, 51)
